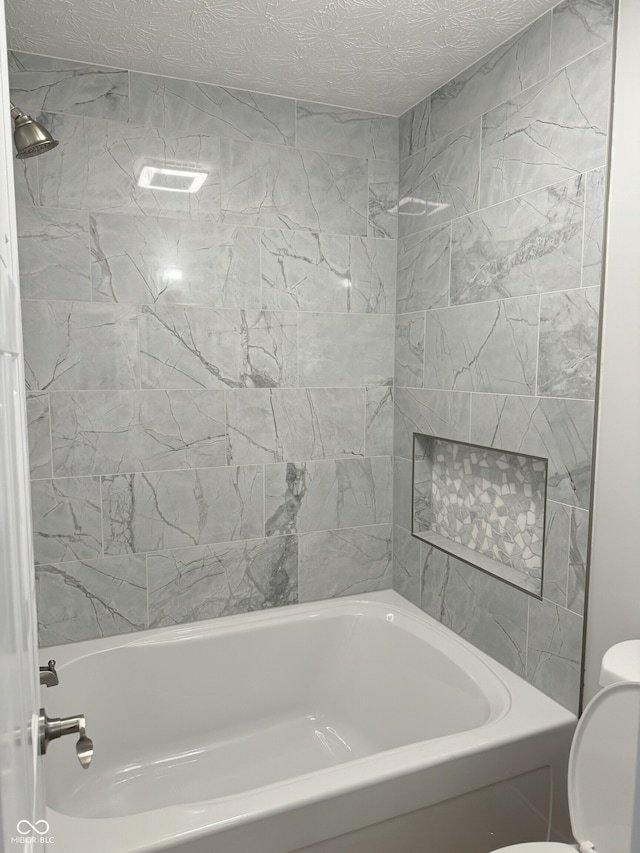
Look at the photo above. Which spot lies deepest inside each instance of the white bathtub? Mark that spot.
(346, 725)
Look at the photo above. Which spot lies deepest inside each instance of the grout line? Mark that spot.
(585, 202)
(568, 572)
(537, 378)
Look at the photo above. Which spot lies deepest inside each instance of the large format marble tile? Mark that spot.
(486, 347)
(107, 432)
(53, 246)
(579, 26)
(161, 260)
(175, 509)
(378, 427)
(485, 611)
(578, 555)
(556, 553)
(510, 68)
(98, 163)
(594, 227)
(67, 523)
(441, 182)
(341, 131)
(415, 128)
(220, 580)
(291, 425)
(189, 347)
(409, 369)
(60, 86)
(309, 271)
(80, 345)
(39, 432)
(402, 492)
(569, 343)
(302, 497)
(525, 245)
(406, 565)
(280, 187)
(423, 270)
(345, 562)
(383, 199)
(234, 113)
(559, 430)
(25, 180)
(554, 652)
(85, 599)
(441, 413)
(549, 132)
(343, 349)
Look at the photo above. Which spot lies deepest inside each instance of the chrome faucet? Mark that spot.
(55, 727)
(48, 675)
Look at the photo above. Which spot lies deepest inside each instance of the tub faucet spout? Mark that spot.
(55, 727)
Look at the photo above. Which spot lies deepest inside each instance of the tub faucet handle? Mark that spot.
(48, 675)
(55, 727)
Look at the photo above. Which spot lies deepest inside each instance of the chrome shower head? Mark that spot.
(30, 137)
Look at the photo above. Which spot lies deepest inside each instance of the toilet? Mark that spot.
(604, 788)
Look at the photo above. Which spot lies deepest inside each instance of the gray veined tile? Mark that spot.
(25, 179)
(310, 271)
(556, 553)
(204, 582)
(234, 113)
(175, 509)
(441, 182)
(415, 128)
(53, 247)
(80, 345)
(39, 431)
(283, 425)
(423, 270)
(594, 227)
(342, 131)
(484, 347)
(58, 85)
(554, 652)
(345, 562)
(202, 347)
(378, 435)
(568, 350)
(402, 492)
(578, 555)
(409, 369)
(441, 413)
(345, 350)
(522, 246)
(302, 497)
(98, 163)
(559, 430)
(85, 599)
(383, 199)
(162, 260)
(510, 68)
(481, 608)
(107, 432)
(67, 522)
(406, 565)
(579, 26)
(549, 132)
(278, 187)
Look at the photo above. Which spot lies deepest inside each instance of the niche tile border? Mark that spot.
(505, 535)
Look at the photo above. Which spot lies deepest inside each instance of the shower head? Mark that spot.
(30, 137)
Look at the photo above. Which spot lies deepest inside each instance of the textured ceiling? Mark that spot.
(380, 55)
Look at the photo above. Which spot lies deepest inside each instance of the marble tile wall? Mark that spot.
(210, 375)
(502, 176)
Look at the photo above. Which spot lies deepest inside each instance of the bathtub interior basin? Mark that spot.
(208, 711)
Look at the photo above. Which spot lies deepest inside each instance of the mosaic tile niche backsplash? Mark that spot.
(209, 374)
(502, 177)
(482, 506)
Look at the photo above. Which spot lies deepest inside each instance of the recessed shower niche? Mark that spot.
(483, 506)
